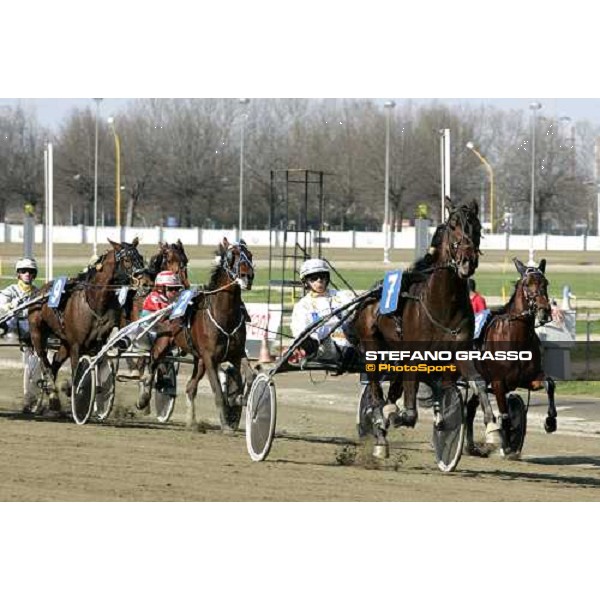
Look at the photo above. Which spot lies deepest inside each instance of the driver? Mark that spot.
(10, 298)
(167, 286)
(328, 343)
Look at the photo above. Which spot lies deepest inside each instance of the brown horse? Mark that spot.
(512, 328)
(434, 314)
(170, 257)
(213, 331)
(88, 311)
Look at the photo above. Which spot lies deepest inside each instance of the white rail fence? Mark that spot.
(81, 234)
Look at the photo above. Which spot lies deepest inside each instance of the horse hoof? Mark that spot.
(406, 419)
(509, 455)
(477, 451)
(389, 410)
(550, 425)
(143, 401)
(53, 414)
(381, 451)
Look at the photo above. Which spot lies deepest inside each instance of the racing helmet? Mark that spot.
(314, 265)
(168, 279)
(26, 263)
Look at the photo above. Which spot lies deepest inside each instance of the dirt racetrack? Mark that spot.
(315, 456)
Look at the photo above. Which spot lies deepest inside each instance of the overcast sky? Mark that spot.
(52, 111)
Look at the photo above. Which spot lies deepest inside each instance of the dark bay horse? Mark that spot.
(213, 331)
(170, 257)
(512, 328)
(89, 309)
(434, 314)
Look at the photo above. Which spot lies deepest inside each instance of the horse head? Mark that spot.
(127, 261)
(457, 250)
(236, 261)
(175, 259)
(533, 288)
(466, 216)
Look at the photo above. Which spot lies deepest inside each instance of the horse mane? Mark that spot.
(155, 263)
(215, 270)
(214, 277)
(504, 309)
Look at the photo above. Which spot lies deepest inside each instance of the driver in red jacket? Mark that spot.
(166, 288)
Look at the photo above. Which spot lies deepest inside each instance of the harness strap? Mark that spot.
(452, 332)
(227, 335)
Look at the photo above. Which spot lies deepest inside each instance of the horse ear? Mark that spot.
(474, 208)
(520, 266)
(225, 243)
(135, 242)
(542, 266)
(115, 245)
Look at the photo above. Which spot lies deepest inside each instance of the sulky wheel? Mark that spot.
(448, 429)
(261, 416)
(364, 424)
(83, 393)
(165, 391)
(105, 389)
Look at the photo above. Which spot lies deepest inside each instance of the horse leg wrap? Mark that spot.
(381, 451)
(493, 436)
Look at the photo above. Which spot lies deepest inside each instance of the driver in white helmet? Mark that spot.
(10, 298)
(328, 343)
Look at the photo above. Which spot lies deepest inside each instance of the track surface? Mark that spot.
(134, 458)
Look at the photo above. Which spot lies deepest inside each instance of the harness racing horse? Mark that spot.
(170, 257)
(213, 331)
(512, 328)
(88, 310)
(434, 314)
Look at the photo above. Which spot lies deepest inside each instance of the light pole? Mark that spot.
(534, 106)
(389, 105)
(243, 102)
(98, 101)
(490, 171)
(597, 181)
(111, 122)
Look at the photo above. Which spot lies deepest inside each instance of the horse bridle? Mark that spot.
(234, 272)
(454, 247)
(530, 299)
(137, 262)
